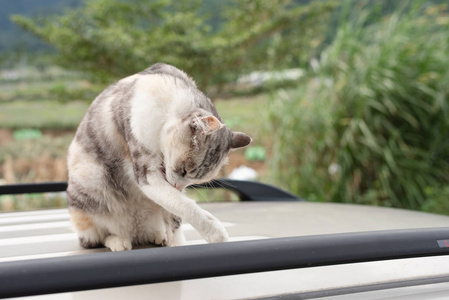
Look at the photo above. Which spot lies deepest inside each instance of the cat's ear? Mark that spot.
(239, 140)
(211, 124)
(207, 125)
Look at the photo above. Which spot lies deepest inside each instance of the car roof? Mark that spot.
(35, 240)
(48, 233)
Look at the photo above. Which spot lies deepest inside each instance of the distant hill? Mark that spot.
(12, 38)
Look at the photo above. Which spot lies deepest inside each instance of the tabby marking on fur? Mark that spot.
(142, 141)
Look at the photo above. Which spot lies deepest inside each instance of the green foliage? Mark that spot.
(254, 153)
(372, 126)
(437, 200)
(111, 39)
(302, 131)
(27, 134)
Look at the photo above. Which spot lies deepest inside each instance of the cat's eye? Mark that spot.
(183, 172)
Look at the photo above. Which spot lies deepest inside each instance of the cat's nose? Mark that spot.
(179, 186)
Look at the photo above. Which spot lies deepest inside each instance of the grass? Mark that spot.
(43, 99)
(32, 201)
(44, 114)
(239, 115)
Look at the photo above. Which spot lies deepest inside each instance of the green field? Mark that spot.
(45, 114)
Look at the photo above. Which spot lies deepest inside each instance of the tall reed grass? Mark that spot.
(370, 124)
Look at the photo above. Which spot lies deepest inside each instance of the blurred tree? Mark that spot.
(12, 38)
(111, 38)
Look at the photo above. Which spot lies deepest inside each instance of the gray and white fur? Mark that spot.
(142, 141)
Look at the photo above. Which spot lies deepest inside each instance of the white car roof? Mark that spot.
(39, 238)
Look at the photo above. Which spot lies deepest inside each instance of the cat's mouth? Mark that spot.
(162, 170)
(164, 174)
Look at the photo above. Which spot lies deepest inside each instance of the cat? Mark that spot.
(142, 141)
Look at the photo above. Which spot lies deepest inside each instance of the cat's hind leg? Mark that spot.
(154, 228)
(88, 233)
(177, 238)
(174, 231)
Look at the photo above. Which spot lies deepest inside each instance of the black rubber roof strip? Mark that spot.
(144, 266)
(246, 190)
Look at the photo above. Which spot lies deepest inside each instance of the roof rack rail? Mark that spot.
(144, 266)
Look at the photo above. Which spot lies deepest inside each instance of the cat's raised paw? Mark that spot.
(217, 236)
(215, 231)
(116, 243)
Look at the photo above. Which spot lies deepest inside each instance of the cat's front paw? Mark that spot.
(116, 243)
(214, 231)
(159, 238)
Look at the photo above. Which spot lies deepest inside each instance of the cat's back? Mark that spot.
(135, 107)
(172, 85)
(98, 157)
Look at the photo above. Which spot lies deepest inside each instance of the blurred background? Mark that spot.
(346, 101)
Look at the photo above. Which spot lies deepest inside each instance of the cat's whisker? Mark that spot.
(199, 192)
(221, 183)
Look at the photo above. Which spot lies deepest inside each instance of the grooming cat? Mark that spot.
(141, 142)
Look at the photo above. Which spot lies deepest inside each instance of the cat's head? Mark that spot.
(196, 147)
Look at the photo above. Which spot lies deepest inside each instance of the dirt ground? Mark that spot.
(5, 136)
